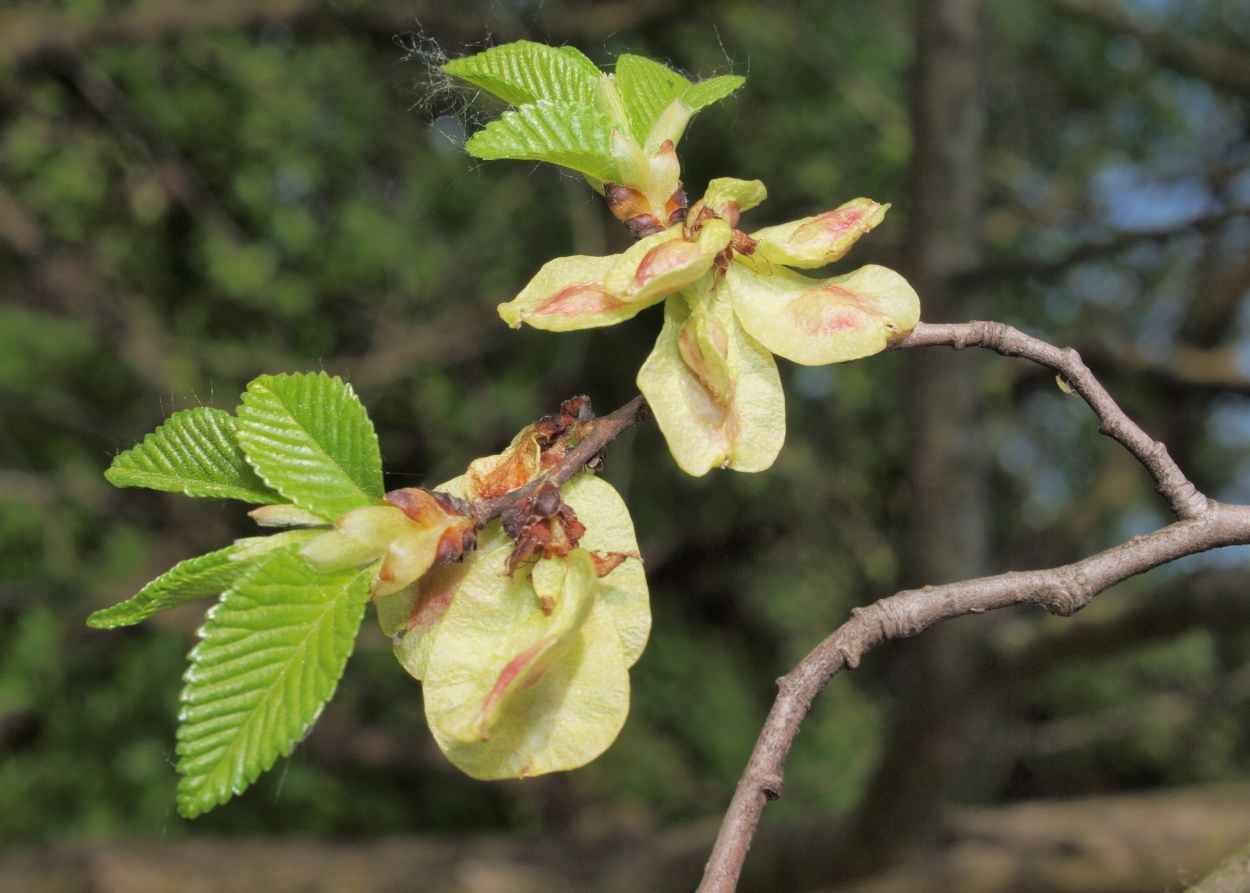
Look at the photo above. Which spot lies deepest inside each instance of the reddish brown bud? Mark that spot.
(675, 207)
(452, 505)
(557, 434)
(571, 528)
(454, 543)
(578, 408)
(625, 202)
(427, 507)
(632, 208)
(546, 500)
(644, 225)
(541, 522)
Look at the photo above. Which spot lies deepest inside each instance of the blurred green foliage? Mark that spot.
(182, 211)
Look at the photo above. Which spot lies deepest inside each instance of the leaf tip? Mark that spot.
(100, 620)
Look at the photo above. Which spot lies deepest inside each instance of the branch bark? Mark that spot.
(1182, 496)
(605, 430)
(1202, 524)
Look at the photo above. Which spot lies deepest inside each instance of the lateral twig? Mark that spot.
(603, 431)
(1201, 524)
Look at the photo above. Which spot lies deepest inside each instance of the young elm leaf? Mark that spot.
(195, 578)
(581, 60)
(699, 96)
(523, 72)
(195, 452)
(310, 438)
(269, 657)
(576, 137)
(647, 88)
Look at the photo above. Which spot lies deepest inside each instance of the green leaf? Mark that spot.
(195, 452)
(647, 88)
(269, 658)
(571, 136)
(699, 96)
(582, 60)
(195, 578)
(523, 72)
(311, 440)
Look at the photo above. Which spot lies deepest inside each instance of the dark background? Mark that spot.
(195, 192)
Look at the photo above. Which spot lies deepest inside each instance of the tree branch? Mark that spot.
(1203, 524)
(605, 430)
(1170, 481)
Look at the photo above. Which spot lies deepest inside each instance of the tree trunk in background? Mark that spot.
(937, 712)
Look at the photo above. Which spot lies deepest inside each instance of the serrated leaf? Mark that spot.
(195, 578)
(524, 72)
(195, 452)
(571, 136)
(270, 656)
(701, 95)
(581, 59)
(310, 438)
(647, 88)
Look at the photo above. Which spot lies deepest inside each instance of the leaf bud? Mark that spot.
(416, 530)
